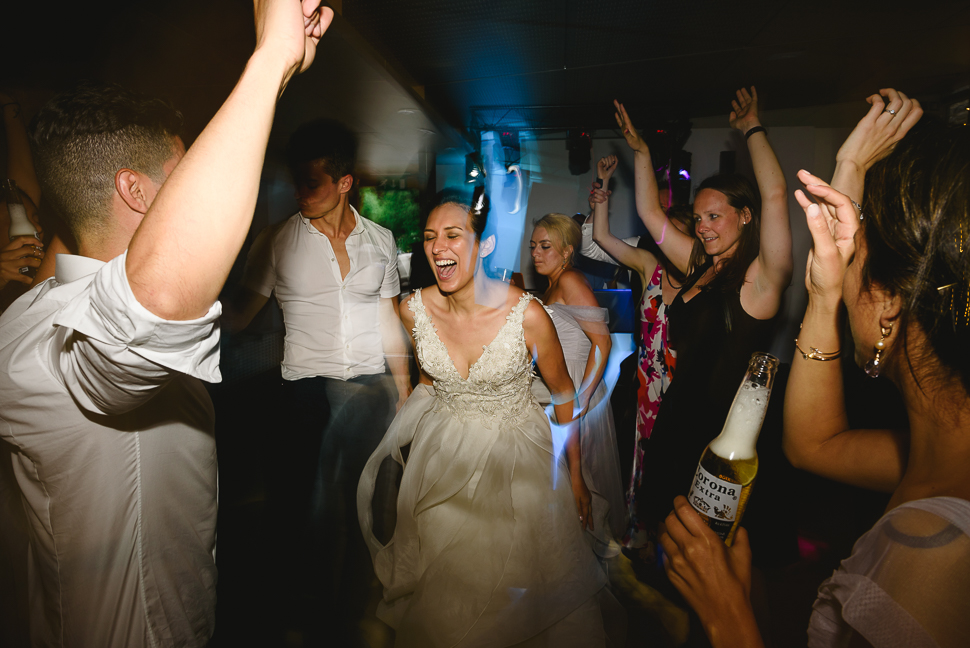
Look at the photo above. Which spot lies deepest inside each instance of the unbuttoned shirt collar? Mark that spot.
(358, 226)
(71, 267)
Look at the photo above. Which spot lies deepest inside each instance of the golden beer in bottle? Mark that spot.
(729, 464)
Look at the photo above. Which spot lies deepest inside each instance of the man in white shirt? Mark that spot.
(335, 277)
(100, 367)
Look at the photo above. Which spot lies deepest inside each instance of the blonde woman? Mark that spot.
(585, 338)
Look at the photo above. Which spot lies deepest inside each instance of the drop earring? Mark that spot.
(874, 366)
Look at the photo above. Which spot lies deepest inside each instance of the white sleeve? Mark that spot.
(591, 250)
(260, 272)
(391, 285)
(112, 354)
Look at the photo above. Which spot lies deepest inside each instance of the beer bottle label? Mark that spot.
(715, 499)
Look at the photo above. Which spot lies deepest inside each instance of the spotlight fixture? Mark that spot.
(474, 169)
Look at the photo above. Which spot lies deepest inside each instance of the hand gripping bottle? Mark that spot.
(729, 464)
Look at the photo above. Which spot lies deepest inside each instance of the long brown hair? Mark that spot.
(741, 194)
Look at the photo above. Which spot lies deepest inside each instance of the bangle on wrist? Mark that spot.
(814, 354)
(857, 206)
(752, 131)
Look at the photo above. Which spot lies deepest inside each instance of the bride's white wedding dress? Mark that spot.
(487, 548)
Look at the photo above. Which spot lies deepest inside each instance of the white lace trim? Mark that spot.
(498, 383)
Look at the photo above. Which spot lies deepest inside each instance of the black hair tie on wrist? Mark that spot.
(756, 129)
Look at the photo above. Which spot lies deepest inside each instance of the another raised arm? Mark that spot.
(20, 165)
(872, 139)
(675, 245)
(816, 434)
(774, 263)
(632, 257)
(183, 250)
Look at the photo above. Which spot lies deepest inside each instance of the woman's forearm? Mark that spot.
(675, 245)
(20, 165)
(776, 240)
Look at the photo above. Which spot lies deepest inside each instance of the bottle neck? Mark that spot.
(739, 437)
(20, 225)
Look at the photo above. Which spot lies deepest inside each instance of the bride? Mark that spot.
(488, 547)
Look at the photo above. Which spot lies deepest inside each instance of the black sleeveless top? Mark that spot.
(714, 339)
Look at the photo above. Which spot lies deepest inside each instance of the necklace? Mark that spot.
(671, 283)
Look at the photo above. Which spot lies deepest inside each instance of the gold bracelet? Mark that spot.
(815, 354)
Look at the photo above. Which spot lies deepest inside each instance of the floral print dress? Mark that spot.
(655, 369)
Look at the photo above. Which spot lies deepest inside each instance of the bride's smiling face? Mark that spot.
(451, 248)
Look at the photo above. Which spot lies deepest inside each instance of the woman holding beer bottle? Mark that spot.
(899, 264)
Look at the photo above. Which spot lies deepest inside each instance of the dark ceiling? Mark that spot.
(556, 63)
(663, 59)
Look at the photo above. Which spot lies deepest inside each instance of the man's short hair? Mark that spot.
(326, 140)
(82, 138)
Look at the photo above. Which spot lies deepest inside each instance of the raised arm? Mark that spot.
(543, 342)
(872, 139)
(816, 434)
(590, 249)
(773, 267)
(20, 165)
(632, 257)
(183, 250)
(675, 245)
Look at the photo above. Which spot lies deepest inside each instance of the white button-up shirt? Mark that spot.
(591, 249)
(332, 323)
(115, 460)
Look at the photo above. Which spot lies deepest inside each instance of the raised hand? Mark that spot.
(744, 117)
(21, 252)
(291, 30)
(833, 223)
(597, 196)
(605, 167)
(630, 133)
(885, 124)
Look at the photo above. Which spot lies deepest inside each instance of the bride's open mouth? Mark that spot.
(445, 268)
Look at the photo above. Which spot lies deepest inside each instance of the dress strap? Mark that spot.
(422, 321)
(696, 276)
(518, 311)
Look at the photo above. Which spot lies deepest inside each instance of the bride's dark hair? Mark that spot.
(476, 205)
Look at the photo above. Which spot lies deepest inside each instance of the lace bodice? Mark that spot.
(498, 383)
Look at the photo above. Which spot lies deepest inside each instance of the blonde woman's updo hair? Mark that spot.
(563, 232)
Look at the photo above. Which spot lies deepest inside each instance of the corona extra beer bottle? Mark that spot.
(729, 464)
(20, 225)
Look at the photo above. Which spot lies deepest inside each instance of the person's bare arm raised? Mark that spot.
(675, 245)
(770, 273)
(629, 255)
(890, 117)
(817, 438)
(183, 250)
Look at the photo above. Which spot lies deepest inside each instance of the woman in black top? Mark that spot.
(739, 264)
